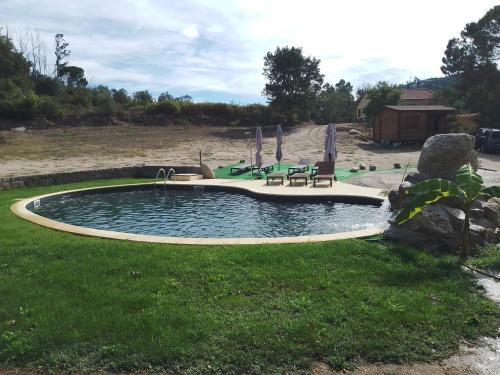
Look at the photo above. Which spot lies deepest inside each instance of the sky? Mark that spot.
(213, 50)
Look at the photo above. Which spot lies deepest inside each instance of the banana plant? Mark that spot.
(468, 187)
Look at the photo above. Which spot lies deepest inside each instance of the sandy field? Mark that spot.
(80, 148)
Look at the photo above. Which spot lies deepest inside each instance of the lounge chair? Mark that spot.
(326, 171)
(299, 176)
(266, 167)
(240, 168)
(276, 176)
(301, 167)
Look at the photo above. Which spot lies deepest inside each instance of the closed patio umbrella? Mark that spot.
(258, 146)
(279, 141)
(330, 149)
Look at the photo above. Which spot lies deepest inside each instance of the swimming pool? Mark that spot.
(199, 212)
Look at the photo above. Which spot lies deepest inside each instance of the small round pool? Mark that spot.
(207, 212)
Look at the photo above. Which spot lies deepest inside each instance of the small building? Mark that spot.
(408, 97)
(410, 123)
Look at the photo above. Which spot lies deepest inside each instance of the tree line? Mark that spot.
(295, 88)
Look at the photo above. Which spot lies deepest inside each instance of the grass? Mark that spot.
(76, 303)
(488, 258)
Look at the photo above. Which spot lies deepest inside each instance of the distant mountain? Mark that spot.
(433, 84)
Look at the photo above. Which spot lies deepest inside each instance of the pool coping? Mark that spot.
(347, 191)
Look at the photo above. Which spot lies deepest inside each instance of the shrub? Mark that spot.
(50, 108)
(27, 106)
(166, 107)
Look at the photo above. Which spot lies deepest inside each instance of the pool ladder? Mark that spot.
(166, 175)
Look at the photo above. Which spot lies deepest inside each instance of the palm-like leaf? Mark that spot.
(436, 184)
(469, 181)
(416, 205)
(492, 191)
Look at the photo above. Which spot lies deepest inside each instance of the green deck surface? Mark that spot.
(342, 174)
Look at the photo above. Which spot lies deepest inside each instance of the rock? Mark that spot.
(354, 170)
(354, 132)
(476, 213)
(433, 219)
(491, 209)
(372, 167)
(396, 197)
(206, 171)
(455, 216)
(415, 177)
(19, 129)
(431, 229)
(362, 167)
(443, 154)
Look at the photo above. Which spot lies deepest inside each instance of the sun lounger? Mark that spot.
(299, 176)
(276, 176)
(240, 168)
(301, 166)
(266, 167)
(326, 171)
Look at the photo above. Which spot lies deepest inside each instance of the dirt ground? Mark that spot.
(65, 149)
(81, 148)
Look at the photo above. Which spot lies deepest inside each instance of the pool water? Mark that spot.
(198, 213)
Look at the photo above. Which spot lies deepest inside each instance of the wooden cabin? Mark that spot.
(410, 123)
(408, 97)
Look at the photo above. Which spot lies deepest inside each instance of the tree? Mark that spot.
(382, 94)
(165, 96)
(121, 97)
(14, 70)
(184, 99)
(468, 189)
(142, 98)
(473, 59)
(61, 52)
(294, 80)
(335, 103)
(73, 76)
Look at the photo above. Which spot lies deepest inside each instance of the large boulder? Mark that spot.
(443, 154)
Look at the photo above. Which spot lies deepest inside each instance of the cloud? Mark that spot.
(214, 50)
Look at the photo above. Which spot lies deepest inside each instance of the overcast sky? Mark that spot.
(213, 49)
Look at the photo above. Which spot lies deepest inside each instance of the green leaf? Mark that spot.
(416, 205)
(436, 184)
(469, 181)
(492, 191)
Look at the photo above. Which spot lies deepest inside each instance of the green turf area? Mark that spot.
(341, 173)
(488, 258)
(80, 303)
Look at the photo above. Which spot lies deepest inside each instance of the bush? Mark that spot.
(220, 110)
(47, 86)
(7, 109)
(50, 108)
(27, 106)
(166, 107)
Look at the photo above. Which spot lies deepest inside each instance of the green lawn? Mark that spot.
(71, 302)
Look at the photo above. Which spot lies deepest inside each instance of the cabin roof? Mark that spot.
(416, 94)
(440, 108)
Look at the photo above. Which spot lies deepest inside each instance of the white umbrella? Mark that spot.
(258, 146)
(279, 141)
